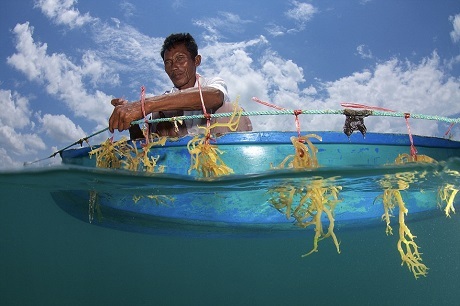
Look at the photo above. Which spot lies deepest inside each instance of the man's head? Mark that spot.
(180, 38)
(180, 57)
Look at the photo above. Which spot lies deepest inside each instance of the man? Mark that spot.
(181, 59)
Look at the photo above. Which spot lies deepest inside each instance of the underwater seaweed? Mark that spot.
(307, 205)
(312, 199)
(120, 154)
(94, 207)
(447, 194)
(413, 158)
(391, 198)
(407, 247)
(318, 199)
(282, 198)
(159, 199)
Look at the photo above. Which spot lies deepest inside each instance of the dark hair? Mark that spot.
(180, 38)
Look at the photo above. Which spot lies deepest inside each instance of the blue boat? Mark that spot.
(246, 200)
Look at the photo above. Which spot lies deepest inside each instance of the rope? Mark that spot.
(205, 113)
(263, 113)
(80, 142)
(305, 112)
(145, 126)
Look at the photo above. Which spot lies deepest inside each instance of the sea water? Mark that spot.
(49, 257)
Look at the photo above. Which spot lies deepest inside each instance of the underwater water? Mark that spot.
(51, 257)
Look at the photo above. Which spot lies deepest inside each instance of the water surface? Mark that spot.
(49, 257)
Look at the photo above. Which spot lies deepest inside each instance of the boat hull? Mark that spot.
(243, 201)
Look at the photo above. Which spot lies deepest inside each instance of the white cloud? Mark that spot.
(399, 85)
(275, 29)
(124, 49)
(20, 143)
(403, 87)
(249, 67)
(61, 128)
(177, 4)
(267, 76)
(128, 9)
(455, 34)
(17, 136)
(7, 162)
(364, 52)
(301, 12)
(15, 110)
(96, 70)
(63, 12)
(116, 21)
(283, 74)
(224, 22)
(61, 77)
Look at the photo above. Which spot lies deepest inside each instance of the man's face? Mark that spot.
(180, 66)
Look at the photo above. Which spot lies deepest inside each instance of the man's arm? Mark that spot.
(188, 99)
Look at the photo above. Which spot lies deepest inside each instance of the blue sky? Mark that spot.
(63, 61)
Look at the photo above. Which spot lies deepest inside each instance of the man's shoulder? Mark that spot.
(218, 83)
(213, 80)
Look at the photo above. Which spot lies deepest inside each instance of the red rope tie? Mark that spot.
(205, 113)
(255, 99)
(449, 129)
(145, 126)
(413, 150)
(297, 112)
(363, 106)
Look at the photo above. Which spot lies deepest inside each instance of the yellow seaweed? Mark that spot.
(318, 199)
(447, 194)
(136, 160)
(407, 247)
(159, 199)
(408, 158)
(391, 198)
(314, 198)
(282, 198)
(305, 156)
(121, 154)
(307, 204)
(108, 154)
(205, 157)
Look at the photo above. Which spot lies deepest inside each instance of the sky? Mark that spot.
(62, 61)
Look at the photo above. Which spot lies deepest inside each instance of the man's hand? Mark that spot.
(118, 101)
(123, 114)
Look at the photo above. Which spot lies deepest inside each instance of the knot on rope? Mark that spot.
(413, 150)
(297, 112)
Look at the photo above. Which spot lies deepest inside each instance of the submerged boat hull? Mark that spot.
(244, 200)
